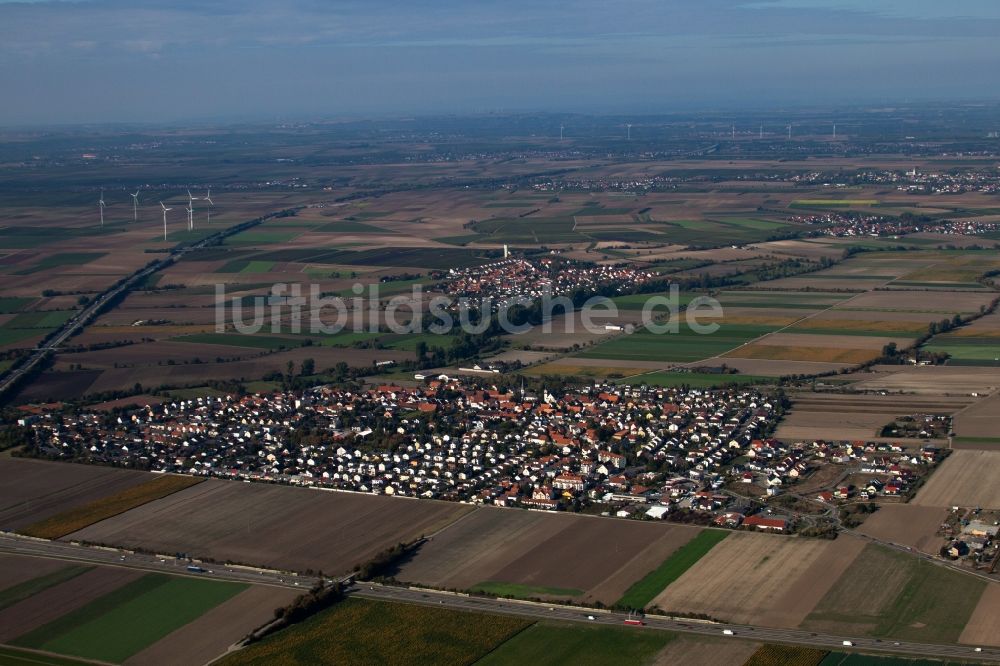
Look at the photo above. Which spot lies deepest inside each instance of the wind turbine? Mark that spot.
(628, 131)
(190, 210)
(135, 206)
(100, 202)
(165, 209)
(208, 198)
(561, 132)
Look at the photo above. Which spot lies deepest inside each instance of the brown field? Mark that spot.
(79, 517)
(602, 557)
(230, 621)
(777, 352)
(806, 425)
(984, 625)
(930, 380)
(772, 368)
(761, 579)
(944, 302)
(273, 525)
(33, 490)
(705, 651)
(981, 419)
(15, 569)
(967, 478)
(907, 524)
(56, 601)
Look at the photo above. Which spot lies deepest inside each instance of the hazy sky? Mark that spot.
(118, 60)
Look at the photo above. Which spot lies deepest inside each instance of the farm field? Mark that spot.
(705, 651)
(733, 581)
(966, 478)
(831, 416)
(564, 643)
(80, 517)
(907, 524)
(274, 526)
(885, 593)
(378, 632)
(983, 627)
(34, 490)
(787, 655)
(110, 613)
(693, 379)
(686, 346)
(529, 549)
(980, 423)
(652, 584)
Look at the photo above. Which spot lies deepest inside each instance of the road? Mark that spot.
(18, 545)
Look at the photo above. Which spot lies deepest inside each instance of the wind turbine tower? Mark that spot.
(762, 130)
(101, 204)
(628, 131)
(789, 132)
(835, 131)
(190, 210)
(734, 132)
(135, 206)
(208, 198)
(165, 209)
(561, 127)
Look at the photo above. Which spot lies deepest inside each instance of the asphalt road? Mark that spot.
(112, 557)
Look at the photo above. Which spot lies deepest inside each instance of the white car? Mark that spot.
(591, 617)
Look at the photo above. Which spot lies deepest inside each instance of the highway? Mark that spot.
(19, 545)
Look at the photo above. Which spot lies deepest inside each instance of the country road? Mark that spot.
(24, 546)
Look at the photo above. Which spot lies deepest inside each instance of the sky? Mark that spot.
(94, 61)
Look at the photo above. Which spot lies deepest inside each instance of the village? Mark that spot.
(687, 455)
(856, 225)
(517, 279)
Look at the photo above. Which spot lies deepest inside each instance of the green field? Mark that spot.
(693, 379)
(360, 631)
(639, 301)
(12, 304)
(967, 350)
(27, 325)
(40, 319)
(130, 618)
(649, 586)
(684, 346)
(885, 593)
(559, 643)
(62, 259)
(500, 589)
(246, 266)
(241, 340)
(12, 595)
